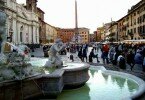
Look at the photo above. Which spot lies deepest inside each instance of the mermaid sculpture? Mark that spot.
(54, 60)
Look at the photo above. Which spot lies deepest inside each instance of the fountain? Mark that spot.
(21, 79)
(18, 75)
(93, 82)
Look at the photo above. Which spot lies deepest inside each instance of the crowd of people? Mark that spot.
(131, 56)
(82, 52)
(125, 54)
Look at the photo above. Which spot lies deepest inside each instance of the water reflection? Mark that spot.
(92, 72)
(76, 94)
(131, 86)
(120, 81)
(105, 77)
(101, 87)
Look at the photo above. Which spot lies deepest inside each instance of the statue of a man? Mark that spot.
(54, 60)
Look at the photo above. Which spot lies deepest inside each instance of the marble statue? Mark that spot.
(2, 28)
(13, 58)
(16, 67)
(54, 60)
(3, 35)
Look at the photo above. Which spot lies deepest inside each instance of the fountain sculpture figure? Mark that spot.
(2, 35)
(54, 60)
(12, 64)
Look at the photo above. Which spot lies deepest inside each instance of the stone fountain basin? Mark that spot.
(45, 85)
(141, 84)
(75, 75)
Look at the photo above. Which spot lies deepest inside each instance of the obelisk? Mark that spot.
(76, 23)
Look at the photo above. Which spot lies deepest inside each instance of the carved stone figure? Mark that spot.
(2, 35)
(2, 29)
(54, 60)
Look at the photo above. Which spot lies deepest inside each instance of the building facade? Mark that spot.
(92, 37)
(51, 33)
(100, 34)
(136, 21)
(113, 36)
(132, 26)
(31, 5)
(22, 25)
(84, 35)
(66, 34)
(129, 27)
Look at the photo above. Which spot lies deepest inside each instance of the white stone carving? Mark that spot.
(54, 60)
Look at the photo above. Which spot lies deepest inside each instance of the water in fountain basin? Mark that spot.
(101, 87)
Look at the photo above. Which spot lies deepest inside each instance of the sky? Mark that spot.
(91, 13)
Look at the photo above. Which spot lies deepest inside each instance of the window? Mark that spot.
(138, 29)
(21, 37)
(131, 31)
(138, 20)
(134, 21)
(143, 29)
(128, 31)
(144, 18)
(134, 30)
(21, 34)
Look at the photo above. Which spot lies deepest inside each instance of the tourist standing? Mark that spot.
(105, 50)
(138, 59)
(111, 53)
(45, 51)
(96, 54)
(130, 59)
(91, 55)
(84, 54)
(80, 53)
